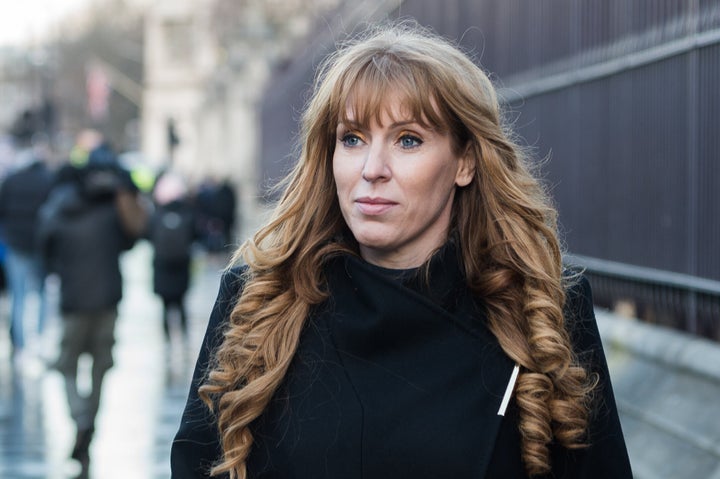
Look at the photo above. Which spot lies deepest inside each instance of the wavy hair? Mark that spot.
(504, 220)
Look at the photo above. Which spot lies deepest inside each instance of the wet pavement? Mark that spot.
(143, 394)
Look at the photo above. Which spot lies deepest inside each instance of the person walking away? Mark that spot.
(92, 216)
(216, 208)
(172, 232)
(22, 193)
(226, 205)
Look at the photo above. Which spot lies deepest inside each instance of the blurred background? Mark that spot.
(618, 101)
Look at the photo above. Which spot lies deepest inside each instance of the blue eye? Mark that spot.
(410, 141)
(350, 140)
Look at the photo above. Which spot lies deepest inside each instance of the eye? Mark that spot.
(410, 141)
(350, 140)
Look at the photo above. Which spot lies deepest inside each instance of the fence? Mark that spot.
(620, 101)
(676, 300)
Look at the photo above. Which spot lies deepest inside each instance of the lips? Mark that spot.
(373, 206)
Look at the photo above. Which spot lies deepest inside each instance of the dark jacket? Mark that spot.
(81, 239)
(172, 231)
(216, 209)
(394, 380)
(22, 193)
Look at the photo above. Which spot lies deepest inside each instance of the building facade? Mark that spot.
(207, 65)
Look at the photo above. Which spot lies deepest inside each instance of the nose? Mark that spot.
(376, 167)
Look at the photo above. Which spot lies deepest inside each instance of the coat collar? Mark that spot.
(420, 358)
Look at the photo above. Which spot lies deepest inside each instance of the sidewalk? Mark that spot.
(666, 386)
(143, 395)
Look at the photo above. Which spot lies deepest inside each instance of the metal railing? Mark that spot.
(676, 300)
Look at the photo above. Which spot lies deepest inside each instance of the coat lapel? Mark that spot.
(430, 382)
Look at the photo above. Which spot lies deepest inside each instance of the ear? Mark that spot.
(466, 168)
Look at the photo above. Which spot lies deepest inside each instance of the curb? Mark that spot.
(675, 349)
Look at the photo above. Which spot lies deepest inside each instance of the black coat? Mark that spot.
(391, 380)
(171, 272)
(81, 238)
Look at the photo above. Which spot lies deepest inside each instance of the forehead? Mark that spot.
(391, 106)
(365, 105)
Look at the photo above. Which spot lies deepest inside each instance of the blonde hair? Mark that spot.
(504, 221)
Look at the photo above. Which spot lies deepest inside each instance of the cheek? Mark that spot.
(434, 183)
(336, 170)
(344, 172)
(341, 177)
(433, 191)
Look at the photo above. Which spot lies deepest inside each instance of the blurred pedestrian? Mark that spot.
(91, 217)
(226, 204)
(22, 193)
(172, 232)
(216, 205)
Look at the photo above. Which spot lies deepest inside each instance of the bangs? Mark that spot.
(363, 95)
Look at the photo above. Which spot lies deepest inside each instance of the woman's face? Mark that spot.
(396, 183)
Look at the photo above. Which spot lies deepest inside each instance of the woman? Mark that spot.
(172, 232)
(411, 270)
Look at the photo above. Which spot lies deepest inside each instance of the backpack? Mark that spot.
(172, 234)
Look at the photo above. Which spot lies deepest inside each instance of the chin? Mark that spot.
(377, 242)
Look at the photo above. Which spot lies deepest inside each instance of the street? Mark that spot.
(143, 394)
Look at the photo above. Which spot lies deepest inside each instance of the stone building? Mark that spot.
(207, 63)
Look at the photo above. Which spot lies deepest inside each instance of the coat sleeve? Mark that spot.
(196, 445)
(607, 454)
